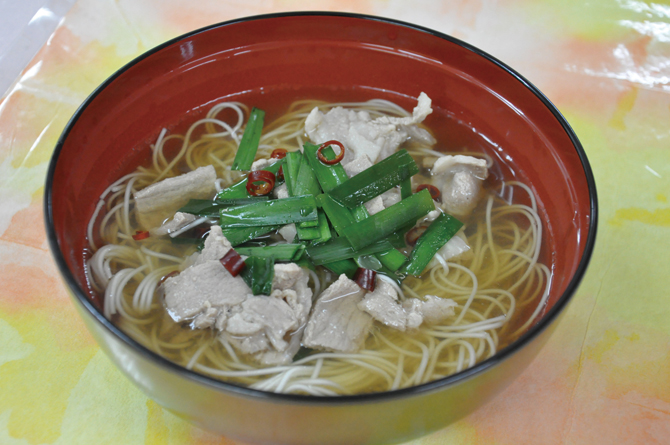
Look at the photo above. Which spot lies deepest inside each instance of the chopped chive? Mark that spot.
(324, 229)
(375, 180)
(280, 252)
(207, 207)
(392, 259)
(340, 249)
(329, 176)
(338, 215)
(441, 230)
(246, 152)
(272, 212)
(239, 189)
(347, 267)
(406, 188)
(258, 274)
(239, 235)
(386, 222)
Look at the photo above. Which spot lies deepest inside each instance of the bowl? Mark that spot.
(321, 55)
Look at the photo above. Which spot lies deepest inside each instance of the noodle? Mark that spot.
(494, 284)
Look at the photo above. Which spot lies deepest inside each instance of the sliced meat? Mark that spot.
(362, 135)
(159, 201)
(262, 164)
(336, 323)
(201, 287)
(382, 305)
(432, 310)
(269, 315)
(459, 179)
(216, 246)
(178, 222)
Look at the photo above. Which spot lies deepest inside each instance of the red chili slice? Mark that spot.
(413, 235)
(260, 182)
(365, 278)
(140, 235)
(337, 159)
(434, 191)
(233, 262)
(279, 153)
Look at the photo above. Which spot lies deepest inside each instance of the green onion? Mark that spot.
(329, 176)
(375, 180)
(406, 188)
(441, 230)
(340, 249)
(386, 222)
(246, 152)
(324, 229)
(239, 235)
(258, 274)
(292, 161)
(239, 189)
(347, 267)
(391, 258)
(207, 207)
(338, 215)
(273, 212)
(280, 252)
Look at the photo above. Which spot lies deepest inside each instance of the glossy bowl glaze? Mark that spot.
(477, 100)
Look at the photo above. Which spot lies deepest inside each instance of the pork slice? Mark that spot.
(432, 310)
(159, 201)
(336, 323)
(262, 164)
(382, 305)
(201, 287)
(216, 246)
(459, 179)
(362, 135)
(269, 315)
(357, 165)
(178, 222)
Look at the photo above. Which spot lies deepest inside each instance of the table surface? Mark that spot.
(602, 378)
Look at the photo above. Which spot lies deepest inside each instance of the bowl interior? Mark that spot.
(268, 62)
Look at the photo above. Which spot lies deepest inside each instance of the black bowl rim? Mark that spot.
(435, 385)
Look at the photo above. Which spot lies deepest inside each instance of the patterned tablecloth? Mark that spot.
(604, 376)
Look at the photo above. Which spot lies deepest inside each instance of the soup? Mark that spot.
(476, 294)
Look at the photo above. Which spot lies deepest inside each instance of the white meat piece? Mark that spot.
(216, 246)
(155, 203)
(360, 134)
(269, 315)
(288, 232)
(281, 192)
(455, 247)
(391, 197)
(336, 323)
(459, 179)
(178, 222)
(201, 287)
(382, 305)
(375, 205)
(432, 310)
(261, 164)
(357, 165)
(272, 357)
(286, 276)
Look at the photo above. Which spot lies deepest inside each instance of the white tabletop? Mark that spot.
(25, 25)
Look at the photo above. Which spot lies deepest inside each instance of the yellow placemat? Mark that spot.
(604, 376)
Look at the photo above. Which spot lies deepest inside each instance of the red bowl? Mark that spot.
(476, 98)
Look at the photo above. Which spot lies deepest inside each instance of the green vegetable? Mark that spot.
(347, 267)
(239, 189)
(239, 235)
(406, 188)
(386, 222)
(329, 176)
(273, 212)
(280, 252)
(246, 152)
(375, 180)
(340, 249)
(207, 207)
(441, 230)
(258, 274)
(391, 258)
(339, 216)
(324, 229)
